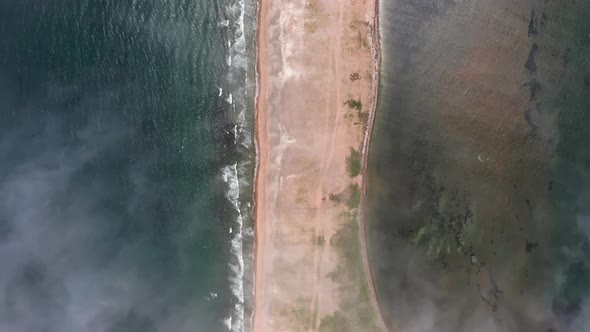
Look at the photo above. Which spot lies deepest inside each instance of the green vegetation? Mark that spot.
(362, 40)
(319, 240)
(353, 163)
(300, 314)
(446, 233)
(438, 242)
(354, 104)
(354, 200)
(447, 242)
(355, 77)
(351, 196)
(363, 117)
(347, 242)
(356, 312)
(335, 323)
(335, 198)
(367, 317)
(357, 24)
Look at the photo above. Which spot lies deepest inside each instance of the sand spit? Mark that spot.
(318, 66)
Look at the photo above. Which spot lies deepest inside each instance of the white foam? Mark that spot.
(291, 25)
(230, 177)
(236, 86)
(227, 322)
(220, 92)
(237, 76)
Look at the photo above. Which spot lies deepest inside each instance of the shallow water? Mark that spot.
(127, 160)
(478, 167)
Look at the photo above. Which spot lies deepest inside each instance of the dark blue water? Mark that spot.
(126, 164)
(479, 166)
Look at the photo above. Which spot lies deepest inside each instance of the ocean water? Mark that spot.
(126, 166)
(479, 166)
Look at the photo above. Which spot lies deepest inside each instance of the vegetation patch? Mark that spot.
(367, 317)
(446, 232)
(362, 40)
(363, 117)
(312, 10)
(358, 24)
(301, 196)
(356, 312)
(346, 241)
(353, 163)
(354, 104)
(300, 313)
(335, 323)
(319, 240)
(354, 198)
(351, 196)
(335, 198)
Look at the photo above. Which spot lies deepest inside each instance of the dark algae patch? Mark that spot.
(531, 64)
(532, 25)
(529, 246)
(534, 87)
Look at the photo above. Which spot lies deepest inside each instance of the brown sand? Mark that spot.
(311, 265)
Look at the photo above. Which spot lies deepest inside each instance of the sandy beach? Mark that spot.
(318, 67)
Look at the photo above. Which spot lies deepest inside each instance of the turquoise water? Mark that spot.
(478, 193)
(127, 160)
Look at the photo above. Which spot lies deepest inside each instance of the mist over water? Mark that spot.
(479, 166)
(118, 120)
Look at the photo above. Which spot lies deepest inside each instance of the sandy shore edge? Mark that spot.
(259, 122)
(365, 160)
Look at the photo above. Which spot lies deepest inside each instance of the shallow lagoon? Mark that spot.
(479, 168)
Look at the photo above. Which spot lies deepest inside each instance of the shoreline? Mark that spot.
(261, 139)
(257, 142)
(364, 164)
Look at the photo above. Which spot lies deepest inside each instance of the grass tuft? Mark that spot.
(354, 104)
(354, 199)
(353, 163)
(335, 323)
(319, 240)
(363, 117)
